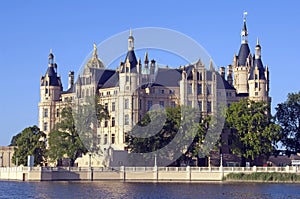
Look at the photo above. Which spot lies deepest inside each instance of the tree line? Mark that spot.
(255, 133)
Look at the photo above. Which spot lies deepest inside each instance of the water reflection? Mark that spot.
(108, 189)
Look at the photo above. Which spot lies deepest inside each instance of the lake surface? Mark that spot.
(146, 190)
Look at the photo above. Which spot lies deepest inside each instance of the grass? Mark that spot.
(263, 177)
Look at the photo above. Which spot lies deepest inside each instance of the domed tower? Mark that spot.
(50, 94)
(258, 78)
(242, 62)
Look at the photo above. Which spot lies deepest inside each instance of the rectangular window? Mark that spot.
(57, 112)
(113, 106)
(140, 104)
(126, 119)
(162, 104)
(98, 139)
(173, 104)
(45, 126)
(46, 91)
(208, 107)
(126, 105)
(127, 78)
(106, 106)
(209, 89)
(189, 89)
(45, 112)
(105, 123)
(162, 91)
(200, 105)
(113, 137)
(113, 121)
(149, 105)
(256, 85)
(108, 93)
(105, 139)
(256, 93)
(199, 89)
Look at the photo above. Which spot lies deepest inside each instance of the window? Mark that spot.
(46, 83)
(45, 112)
(57, 112)
(162, 104)
(126, 137)
(113, 106)
(171, 92)
(108, 93)
(256, 76)
(256, 93)
(173, 104)
(46, 91)
(200, 76)
(149, 105)
(208, 107)
(126, 106)
(189, 89)
(140, 104)
(209, 89)
(98, 139)
(105, 123)
(45, 126)
(106, 106)
(127, 78)
(113, 121)
(113, 137)
(105, 139)
(126, 119)
(162, 91)
(199, 89)
(200, 105)
(256, 85)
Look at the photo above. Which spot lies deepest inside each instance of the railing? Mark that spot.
(287, 169)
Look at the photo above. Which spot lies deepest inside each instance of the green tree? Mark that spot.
(179, 121)
(31, 141)
(76, 133)
(255, 132)
(64, 141)
(288, 117)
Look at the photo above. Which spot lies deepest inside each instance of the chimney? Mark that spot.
(222, 71)
(229, 74)
(71, 79)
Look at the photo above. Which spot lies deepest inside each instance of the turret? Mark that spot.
(242, 62)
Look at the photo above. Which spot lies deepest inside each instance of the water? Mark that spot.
(107, 189)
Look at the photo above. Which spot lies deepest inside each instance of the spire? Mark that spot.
(244, 33)
(257, 50)
(211, 66)
(146, 60)
(50, 58)
(130, 41)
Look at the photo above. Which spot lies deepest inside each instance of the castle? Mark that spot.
(137, 86)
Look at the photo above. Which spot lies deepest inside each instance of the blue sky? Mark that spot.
(30, 28)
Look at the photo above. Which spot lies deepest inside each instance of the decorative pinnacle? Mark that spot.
(257, 41)
(245, 14)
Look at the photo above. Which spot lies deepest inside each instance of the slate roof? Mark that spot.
(261, 69)
(243, 54)
(54, 80)
(168, 77)
(132, 60)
